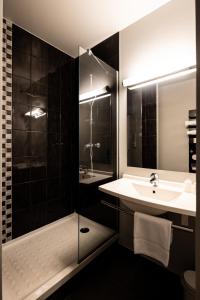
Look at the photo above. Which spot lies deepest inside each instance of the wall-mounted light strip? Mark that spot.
(94, 99)
(93, 94)
(130, 83)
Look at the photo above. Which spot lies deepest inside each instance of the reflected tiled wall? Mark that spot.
(42, 82)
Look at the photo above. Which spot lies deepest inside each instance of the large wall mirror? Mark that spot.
(161, 125)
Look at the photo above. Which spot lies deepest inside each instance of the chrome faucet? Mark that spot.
(154, 179)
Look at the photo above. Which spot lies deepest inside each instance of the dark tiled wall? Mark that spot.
(108, 51)
(149, 124)
(142, 127)
(43, 78)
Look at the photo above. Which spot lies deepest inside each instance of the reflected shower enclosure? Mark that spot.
(97, 108)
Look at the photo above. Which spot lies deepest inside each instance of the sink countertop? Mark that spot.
(95, 177)
(184, 203)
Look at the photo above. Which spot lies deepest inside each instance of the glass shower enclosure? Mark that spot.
(97, 151)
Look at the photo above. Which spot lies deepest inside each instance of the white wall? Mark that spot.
(159, 43)
(174, 101)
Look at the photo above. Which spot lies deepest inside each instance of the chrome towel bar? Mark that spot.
(129, 212)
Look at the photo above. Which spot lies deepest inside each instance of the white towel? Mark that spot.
(152, 237)
(190, 123)
(192, 132)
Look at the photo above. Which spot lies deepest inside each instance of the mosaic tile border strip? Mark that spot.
(7, 132)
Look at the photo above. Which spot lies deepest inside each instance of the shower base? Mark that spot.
(38, 263)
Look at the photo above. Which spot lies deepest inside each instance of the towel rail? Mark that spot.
(132, 214)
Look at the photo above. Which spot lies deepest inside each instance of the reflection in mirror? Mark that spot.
(97, 109)
(161, 125)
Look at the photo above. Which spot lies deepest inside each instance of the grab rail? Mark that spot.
(132, 213)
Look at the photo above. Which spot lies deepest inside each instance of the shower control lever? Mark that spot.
(97, 145)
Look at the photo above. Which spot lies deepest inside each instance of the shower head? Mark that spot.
(89, 52)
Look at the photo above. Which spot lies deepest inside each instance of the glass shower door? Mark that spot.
(97, 151)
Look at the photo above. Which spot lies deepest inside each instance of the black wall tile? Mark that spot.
(37, 192)
(53, 188)
(38, 168)
(38, 144)
(21, 143)
(21, 65)
(21, 198)
(37, 216)
(20, 120)
(21, 170)
(21, 222)
(39, 48)
(108, 51)
(21, 88)
(39, 71)
(43, 77)
(39, 124)
(21, 40)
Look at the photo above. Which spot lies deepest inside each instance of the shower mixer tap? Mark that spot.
(88, 146)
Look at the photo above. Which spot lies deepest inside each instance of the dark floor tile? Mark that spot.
(118, 274)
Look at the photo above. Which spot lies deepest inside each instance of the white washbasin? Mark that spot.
(155, 193)
(138, 194)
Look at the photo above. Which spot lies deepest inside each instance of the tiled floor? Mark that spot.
(119, 275)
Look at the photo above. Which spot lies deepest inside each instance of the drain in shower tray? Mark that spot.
(84, 230)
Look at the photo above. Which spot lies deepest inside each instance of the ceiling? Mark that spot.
(69, 23)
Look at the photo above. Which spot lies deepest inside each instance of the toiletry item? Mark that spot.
(194, 157)
(152, 237)
(188, 186)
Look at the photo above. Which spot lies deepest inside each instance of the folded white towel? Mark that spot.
(190, 123)
(192, 132)
(152, 237)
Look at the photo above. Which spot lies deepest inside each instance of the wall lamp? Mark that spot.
(130, 82)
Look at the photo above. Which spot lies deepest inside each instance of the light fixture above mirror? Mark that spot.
(132, 85)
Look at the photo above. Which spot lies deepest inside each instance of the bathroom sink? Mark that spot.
(92, 177)
(155, 193)
(85, 176)
(138, 194)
